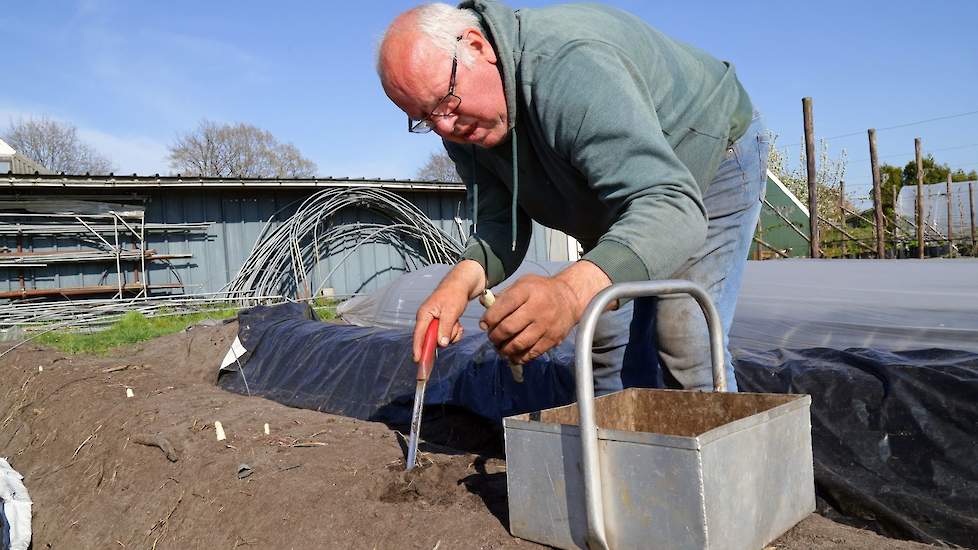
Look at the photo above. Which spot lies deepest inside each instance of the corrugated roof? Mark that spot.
(19, 164)
(147, 182)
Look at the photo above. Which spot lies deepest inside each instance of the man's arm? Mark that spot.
(488, 257)
(610, 132)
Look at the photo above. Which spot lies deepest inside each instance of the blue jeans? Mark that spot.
(667, 340)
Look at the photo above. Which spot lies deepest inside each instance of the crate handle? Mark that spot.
(596, 538)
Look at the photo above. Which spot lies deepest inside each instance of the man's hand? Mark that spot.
(465, 281)
(536, 313)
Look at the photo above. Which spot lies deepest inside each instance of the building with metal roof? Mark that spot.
(82, 235)
(12, 162)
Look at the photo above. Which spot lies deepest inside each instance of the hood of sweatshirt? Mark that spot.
(502, 25)
(620, 129)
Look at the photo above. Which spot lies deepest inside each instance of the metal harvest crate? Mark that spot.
(660, 468)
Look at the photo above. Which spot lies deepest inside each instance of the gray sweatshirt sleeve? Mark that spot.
(490, 242)
(603, 120)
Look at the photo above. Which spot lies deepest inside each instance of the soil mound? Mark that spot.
(147, 471)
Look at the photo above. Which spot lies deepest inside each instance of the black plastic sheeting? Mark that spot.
(367, 373)
(895, 434)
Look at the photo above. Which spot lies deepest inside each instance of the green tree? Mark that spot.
(891, 180)
(934, 172)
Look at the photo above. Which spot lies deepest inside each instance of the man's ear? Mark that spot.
(479, 44)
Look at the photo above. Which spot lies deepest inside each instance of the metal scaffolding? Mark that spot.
(97, 232)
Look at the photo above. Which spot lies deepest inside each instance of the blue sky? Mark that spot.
(134, 75)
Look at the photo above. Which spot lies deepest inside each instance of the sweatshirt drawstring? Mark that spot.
(475, 195)
(516, 190)
(516, 187)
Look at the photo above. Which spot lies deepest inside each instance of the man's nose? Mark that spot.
(444, 125)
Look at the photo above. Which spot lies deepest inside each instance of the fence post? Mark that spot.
(950, 234)
(842, 212)
(920, 199)
(896, 222)
(971, 208)
(759, 237)
(814, 251)
(878, 197)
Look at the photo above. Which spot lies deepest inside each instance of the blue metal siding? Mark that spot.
(237, 217)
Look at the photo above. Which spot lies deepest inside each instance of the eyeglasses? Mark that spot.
(446, 107)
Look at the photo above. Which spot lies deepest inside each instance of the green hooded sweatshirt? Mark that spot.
(616, 132)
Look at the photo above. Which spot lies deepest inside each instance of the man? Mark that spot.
(589, 121)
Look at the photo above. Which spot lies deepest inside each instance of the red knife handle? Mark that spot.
(428, 347)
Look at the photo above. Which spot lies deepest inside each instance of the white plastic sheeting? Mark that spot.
(893, 305)
(395, 305)
(16, 504)
(935, 206)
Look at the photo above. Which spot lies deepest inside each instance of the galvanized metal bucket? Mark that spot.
(660, 468)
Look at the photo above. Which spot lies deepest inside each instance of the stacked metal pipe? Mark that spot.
(97, 312)
(16, 259)
(13, 229)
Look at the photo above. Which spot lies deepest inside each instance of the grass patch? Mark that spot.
(325, 308)
(131, 328)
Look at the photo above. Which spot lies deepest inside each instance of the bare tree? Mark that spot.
(440, 167)
(237, 150)
(56, 146)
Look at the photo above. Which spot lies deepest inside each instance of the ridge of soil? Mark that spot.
(105, 470)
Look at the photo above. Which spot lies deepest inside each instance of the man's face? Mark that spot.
(417, 77)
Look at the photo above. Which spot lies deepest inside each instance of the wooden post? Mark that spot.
(877, 195)
(896, 223)
(759, 238)
(971, 208)
(842, 212)
(950, 234)
(814, 251)
(920, 199)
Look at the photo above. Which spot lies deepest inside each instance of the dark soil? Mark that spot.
(107, 471)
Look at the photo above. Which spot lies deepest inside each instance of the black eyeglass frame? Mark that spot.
(425, 125)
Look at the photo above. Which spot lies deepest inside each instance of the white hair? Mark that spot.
(442, 24)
